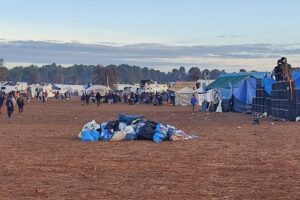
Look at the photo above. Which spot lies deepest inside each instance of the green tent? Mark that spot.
(226, 81)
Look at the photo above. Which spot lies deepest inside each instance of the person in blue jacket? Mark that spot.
(193, 101)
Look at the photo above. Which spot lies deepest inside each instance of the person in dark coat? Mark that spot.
(98, 98)
(10, 106)
(82, 98)
(20, 103)
(1, 102)
(87, 99)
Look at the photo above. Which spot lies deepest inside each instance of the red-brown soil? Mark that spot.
(40, 157)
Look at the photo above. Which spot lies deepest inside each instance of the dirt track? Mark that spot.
(40, 157)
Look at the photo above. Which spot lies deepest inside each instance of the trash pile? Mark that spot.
(131, 127)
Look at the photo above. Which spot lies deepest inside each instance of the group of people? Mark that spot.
(131, 98)
(10, 101)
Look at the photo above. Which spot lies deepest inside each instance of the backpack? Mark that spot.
(10, 104)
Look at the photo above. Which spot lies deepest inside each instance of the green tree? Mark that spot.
(194, 74)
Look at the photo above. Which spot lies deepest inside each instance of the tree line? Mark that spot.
(98, 74)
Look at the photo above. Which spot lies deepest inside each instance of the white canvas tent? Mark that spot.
(75, 90)
(22, 86)
(8, 87)
(34, 89)
(184, 95)
(48, 89)
(97, 88)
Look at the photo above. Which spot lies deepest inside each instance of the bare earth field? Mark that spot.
(40, 157)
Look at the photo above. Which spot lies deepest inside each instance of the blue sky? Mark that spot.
(167, 23)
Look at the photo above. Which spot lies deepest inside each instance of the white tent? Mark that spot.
(75, 90)
(98, 88)
(184, 95)
(47, 87)
(7, 88)
(22, 86)
(34, 89)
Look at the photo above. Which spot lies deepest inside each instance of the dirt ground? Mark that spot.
(40, 157)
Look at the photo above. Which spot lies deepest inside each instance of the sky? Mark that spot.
(225, 34)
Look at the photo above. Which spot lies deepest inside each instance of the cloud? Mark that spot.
(229, 36)
(147, 54)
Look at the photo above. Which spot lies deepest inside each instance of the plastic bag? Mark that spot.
(160, 133)
(118, 136)
(88, 127)
(105, 135)
(90, 135)
(129, 118)
(146, 132)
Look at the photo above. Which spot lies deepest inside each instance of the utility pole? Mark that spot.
(107, 80)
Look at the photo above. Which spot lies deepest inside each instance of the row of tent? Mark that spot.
(52, 89)
(239, 88)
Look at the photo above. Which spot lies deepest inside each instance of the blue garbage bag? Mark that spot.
(130, 137)
(106, 135)
(90, 136)
(160, 134)
(128, 118)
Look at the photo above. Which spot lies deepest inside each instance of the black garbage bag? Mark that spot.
(146, 132)
(112, 125)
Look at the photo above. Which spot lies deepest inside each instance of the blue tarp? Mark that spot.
(239, 106)
(296, 78)
(245, 91)
(267, 84)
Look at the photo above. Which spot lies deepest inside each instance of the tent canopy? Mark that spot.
(226, 82)
(184, 95)
(241, 87)
(186, 90)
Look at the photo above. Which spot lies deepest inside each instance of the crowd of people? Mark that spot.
(131, 98)
(11, 100)
(14, 99)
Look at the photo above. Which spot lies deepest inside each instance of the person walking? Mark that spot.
(193, 101)
(10, 106)
(98, 98)
(20, 103)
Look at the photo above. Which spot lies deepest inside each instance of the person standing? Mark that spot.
(82, 98)
(10, 106)
(87, 99)
(193, 101)
(1, 102)
(98, 98)
(20, 103)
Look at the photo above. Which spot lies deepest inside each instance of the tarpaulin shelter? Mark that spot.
(296, 78)
(184, 95)
(267, 82)
(241, 88)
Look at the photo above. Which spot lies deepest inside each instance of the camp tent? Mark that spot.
(8, 87)
(22, 86)
(184, 95)
(98, 88)
(240, 88)
(34, 89)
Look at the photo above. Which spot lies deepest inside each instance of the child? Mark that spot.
(193, 101)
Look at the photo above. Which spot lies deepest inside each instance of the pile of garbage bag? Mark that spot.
(131, 127)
